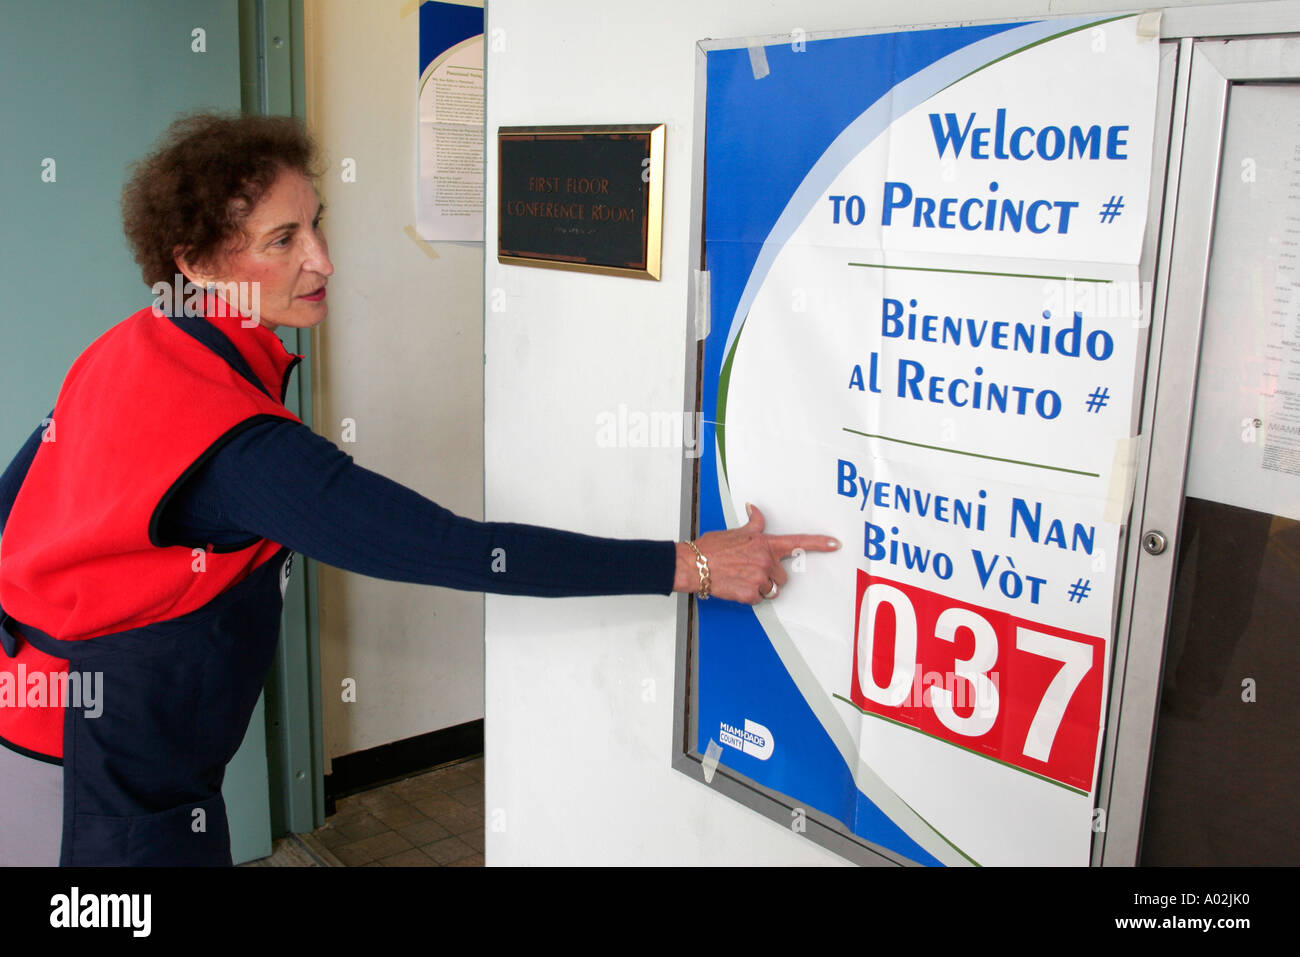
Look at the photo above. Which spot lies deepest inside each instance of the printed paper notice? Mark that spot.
(450, 204)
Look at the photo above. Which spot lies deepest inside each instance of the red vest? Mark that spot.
(83, 552)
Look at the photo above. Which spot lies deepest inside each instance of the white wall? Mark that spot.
(579, 692)
(401, 354)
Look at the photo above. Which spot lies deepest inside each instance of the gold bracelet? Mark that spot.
(702, 565)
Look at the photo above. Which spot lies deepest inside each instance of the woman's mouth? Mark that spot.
(316, 296)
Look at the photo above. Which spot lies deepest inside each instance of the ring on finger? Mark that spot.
(771, 592)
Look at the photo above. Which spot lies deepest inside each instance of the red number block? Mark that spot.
(1014, 690)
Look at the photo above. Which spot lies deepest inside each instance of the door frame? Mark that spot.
(271, 47)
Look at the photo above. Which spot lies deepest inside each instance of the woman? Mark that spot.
(148, 523)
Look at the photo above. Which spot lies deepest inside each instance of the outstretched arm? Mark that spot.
(283, 482)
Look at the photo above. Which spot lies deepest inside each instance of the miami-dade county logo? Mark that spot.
(754, 739)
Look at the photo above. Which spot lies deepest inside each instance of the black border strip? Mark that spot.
(155, 520)
(288, 371)
(35, 755)
(367, 769)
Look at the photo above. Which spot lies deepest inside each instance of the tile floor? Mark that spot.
(432, 819)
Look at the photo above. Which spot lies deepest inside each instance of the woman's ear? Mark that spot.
(190, 269)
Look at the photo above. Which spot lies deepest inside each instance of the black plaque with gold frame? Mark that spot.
(588, 198)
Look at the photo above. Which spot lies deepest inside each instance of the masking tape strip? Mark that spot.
(710, 763)
(758, 59)
(425, 247)
(701, 279)
(1123, 471)
(1148, 25)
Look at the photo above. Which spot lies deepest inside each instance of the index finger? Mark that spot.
(785, 545)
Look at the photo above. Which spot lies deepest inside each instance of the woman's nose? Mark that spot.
(318, 257)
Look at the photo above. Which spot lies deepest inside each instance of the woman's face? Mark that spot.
(284, 252)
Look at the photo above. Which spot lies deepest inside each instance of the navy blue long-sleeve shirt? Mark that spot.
(11, 480)
(281, 481)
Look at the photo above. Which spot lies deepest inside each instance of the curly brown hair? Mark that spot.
(198, 186)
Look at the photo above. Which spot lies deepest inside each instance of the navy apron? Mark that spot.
(142, 779)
